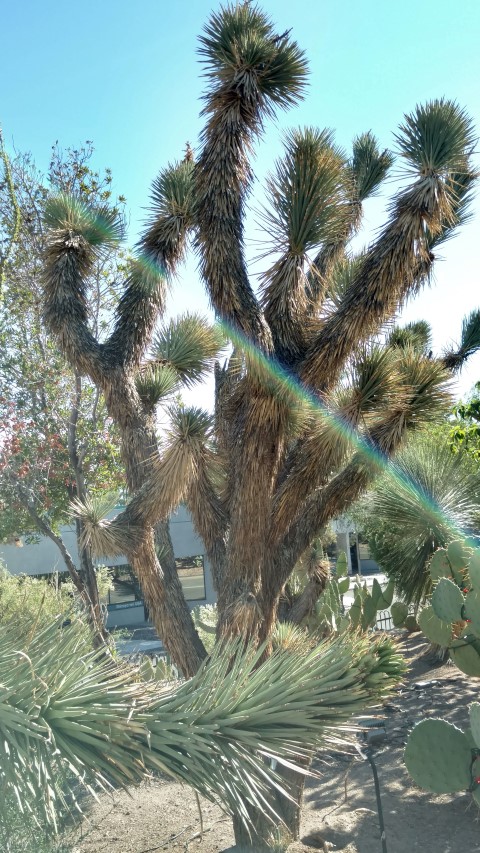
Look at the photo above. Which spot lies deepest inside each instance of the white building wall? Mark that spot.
(44, 558)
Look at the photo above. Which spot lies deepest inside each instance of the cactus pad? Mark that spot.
(376, 592)
(438, 757)
(472, 610)
(355, 612)
(411, 623)
(474, 569)
(399, 613)
(369, 614)
(434, 629)
(343, 585)
(466, 657)
(459, 558)
(474, 712)
(386, 598)
(447, 601)
(440, 565)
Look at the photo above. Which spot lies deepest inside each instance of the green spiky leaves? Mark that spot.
(369, 165)
(469, 344)
(173, 214)
(417, 335)
(436, 138)
(190, 425)
(306, 193)
(172, 191)
(156, 382)
(189, 344)
(64, 707)
(99, 227)
(183, 353)
(240, 49)
(104, 536)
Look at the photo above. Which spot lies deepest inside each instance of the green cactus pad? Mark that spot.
(434, 629)
(447, 601)
(343, 585)
(411, 623)
(386, 598)
(438, 757)
(355, 612)
(369, 612)
(465, 657)
(474, 569)
(399, 613)
(472, 610)
(474, 712)
(376, 592)
(344, 623)
(440, 566)
(459, 558)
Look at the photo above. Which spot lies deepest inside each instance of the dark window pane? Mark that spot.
(192, 576)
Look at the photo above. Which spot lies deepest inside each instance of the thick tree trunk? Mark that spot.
(158, 579)
(265, 834)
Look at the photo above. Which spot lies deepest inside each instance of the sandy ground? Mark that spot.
(339, 811)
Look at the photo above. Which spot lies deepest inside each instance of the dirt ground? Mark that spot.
(339, 813)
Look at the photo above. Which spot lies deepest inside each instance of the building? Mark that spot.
(125, 605)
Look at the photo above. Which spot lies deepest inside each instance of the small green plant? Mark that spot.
(330, 615)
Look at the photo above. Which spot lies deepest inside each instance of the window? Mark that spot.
(126, 589)
(125, 586)
(191, 572)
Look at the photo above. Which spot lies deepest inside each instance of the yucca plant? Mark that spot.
(70, 717)
(308, 406)
(427, 497)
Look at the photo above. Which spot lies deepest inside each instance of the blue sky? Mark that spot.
(126, 76)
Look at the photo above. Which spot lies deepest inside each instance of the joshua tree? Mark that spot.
(308, 406)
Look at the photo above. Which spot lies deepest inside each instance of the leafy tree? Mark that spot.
(465, 426)
(57, 442)
(307, 406)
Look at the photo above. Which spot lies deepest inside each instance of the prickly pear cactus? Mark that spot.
(453, 617)
(399, 613)
(439, 756)
(330, 615)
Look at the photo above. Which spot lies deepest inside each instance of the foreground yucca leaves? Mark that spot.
(65, 711)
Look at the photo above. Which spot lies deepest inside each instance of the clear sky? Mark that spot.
(126, 76)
